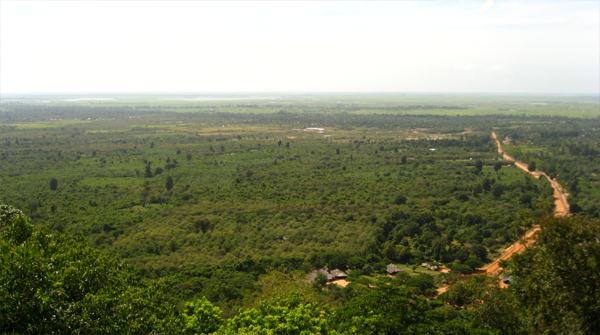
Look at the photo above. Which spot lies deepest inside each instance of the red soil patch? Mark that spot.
(341, 282)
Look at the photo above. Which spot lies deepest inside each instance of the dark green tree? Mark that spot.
(497, 190)
(479, 251)
(487, 185)
(356, 263)
(148, 173)
(399, 199)
(531, 167)
(385, 310)
(169, 183)
(53, 184)
(422, 283)
(497, 166)
(320, 281)
(479, 165)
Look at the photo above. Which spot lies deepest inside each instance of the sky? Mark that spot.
(300, 46)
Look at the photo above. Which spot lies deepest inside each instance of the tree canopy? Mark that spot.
(54, 283)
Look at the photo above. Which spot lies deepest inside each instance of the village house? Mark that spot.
(393, 269)
(339, 274)
(331, 275)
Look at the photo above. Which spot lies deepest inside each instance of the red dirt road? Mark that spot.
(560, 197)
(561, 209)
(515, 248)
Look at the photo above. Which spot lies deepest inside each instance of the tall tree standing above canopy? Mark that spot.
(479, 165)
(148, 173)
(169, 183)
(53, 184)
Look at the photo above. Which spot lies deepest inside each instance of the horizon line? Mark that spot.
(292, 92)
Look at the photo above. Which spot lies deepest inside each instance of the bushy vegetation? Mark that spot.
(237, 200)
(221, 210)
(53, 283)
(566, 149)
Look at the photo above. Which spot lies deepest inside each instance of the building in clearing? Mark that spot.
(339, 274)
(331, 276)
(326, 272)
(318, 130)
(312, 276)
(393, 269)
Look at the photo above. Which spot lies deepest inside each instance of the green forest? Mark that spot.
(144, 215)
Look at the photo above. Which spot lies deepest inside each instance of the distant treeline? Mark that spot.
(403, 108)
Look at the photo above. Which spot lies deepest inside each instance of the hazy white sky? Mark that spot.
(403, 46)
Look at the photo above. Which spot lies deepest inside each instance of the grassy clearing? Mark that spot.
(409, 269)
(47, 124)
(126, 182)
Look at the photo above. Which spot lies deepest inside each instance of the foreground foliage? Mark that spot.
(53, 283)
(558, 280)
(555, 289)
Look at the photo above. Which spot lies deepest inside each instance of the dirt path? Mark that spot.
(560, 197)
(441, 290)
(562, 209)
(515, 248)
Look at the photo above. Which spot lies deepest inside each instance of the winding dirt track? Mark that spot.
(561, 209)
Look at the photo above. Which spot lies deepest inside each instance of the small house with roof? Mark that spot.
(338, 274)
(393, 269)
(326, 272)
